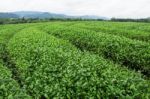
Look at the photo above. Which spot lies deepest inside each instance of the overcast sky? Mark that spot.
(108, 8)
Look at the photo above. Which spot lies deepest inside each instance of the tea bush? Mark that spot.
(53, 68)
(131, 53)
(9, 88)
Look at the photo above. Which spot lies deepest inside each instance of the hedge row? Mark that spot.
(9, 88)
(129, 30)
(131, 53)
(53, 68)
(5, 34)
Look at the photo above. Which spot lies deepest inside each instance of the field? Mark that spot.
(75, 59)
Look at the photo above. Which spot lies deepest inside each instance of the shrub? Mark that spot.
(53, 68)
(131, 53)
(9, 88)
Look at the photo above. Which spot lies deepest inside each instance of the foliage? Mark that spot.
(9, 88)
(131, 53)
(53, 68)
(137, 31)
(130, 20)
(35, 64)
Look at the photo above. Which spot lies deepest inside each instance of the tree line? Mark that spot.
(36, 20)
(130, 20)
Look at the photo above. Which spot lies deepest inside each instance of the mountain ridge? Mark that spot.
(42, 15)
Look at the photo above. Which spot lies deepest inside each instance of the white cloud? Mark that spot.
(109, 8)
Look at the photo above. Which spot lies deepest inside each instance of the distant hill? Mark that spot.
(8, 15)
(34, 14)
(42, 15)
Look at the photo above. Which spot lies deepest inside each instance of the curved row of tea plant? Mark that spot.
(6, 32)
(131, 53)
(9, 88)
(52, 67)
(138, 31)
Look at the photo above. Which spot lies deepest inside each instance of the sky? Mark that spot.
(107, 8)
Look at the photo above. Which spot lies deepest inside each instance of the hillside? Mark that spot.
(42, 15)
(8, 15)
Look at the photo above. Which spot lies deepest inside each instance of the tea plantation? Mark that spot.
(75, 60)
